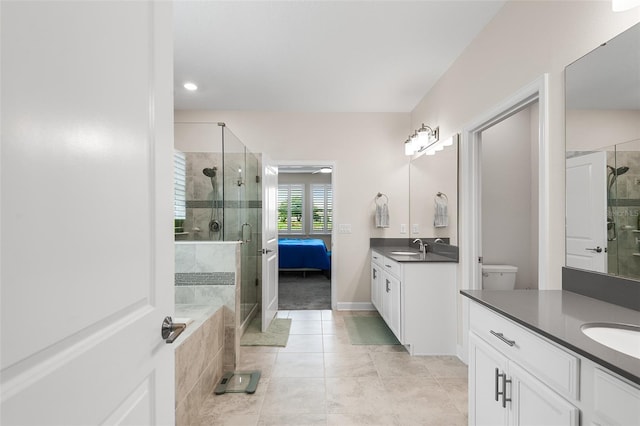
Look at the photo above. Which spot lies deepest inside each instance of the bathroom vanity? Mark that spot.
(530, 362)
(416, 296)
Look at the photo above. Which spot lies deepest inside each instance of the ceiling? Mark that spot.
(318, 56)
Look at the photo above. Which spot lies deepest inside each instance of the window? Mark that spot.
(322, 208)
(179, 185)
(290, 211)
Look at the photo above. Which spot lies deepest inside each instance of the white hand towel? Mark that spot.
(385, 216)
(441, 219)
(382, 216)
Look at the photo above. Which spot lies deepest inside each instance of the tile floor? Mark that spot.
(321, 379)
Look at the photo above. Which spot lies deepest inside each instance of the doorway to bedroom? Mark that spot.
(305, 236)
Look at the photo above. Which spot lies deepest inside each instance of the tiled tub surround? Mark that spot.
(199, 360)
(208, 278)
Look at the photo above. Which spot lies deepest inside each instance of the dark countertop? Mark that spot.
(558, 316)
(436, 252)
(429, 256)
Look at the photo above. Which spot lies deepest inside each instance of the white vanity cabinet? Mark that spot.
(506, 394)
(376, 280)
(517, 377)
(417, 300)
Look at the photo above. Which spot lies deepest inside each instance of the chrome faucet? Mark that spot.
(421, 246)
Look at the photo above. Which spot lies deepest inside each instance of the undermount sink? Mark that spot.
(620, 337)
(405, 253)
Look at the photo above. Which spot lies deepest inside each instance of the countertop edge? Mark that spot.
(386, 251)
(582, 352)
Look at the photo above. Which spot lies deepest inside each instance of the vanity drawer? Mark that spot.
(551, 364)
(377, 258)
(391, 266)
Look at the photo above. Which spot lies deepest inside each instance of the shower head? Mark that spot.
(210, 172)
(619, 171)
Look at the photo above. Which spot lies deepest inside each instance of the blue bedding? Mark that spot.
(297, 253)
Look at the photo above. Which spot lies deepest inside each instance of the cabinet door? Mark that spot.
(536, 404)
(393, 289)
(376, 286)
(485, 401)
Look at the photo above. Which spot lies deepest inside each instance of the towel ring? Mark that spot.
(442, 195)
(380, 194)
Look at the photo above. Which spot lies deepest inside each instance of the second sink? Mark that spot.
(620, 337)
(405, 253)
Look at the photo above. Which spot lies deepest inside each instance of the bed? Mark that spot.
(303, 255)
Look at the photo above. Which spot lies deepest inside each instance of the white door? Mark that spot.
(269, 241)
(86, 244)
(586, 182)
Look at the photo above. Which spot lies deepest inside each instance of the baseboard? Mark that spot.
(356, 306)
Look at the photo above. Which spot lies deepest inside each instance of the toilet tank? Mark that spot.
(499, 277)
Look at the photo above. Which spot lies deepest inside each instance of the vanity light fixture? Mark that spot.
(440, 145)
(421, 139)
(190, 86)
(622, 5)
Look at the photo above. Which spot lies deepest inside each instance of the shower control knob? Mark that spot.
(597, 249)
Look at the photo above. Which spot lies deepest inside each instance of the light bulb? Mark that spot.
(190, 86)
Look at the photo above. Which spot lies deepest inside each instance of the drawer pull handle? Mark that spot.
(388, 289)
(504, 339)
(388, 266)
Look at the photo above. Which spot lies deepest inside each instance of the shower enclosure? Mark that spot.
(623, 213)
(218, 198)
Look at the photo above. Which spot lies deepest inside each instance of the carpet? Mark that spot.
(296, 292)
(369, 330)
(276, 335)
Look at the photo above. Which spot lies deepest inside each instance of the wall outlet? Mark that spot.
(403, 228)
(415, 228)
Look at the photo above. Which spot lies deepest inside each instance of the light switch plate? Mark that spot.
(403, 228)
(415, 228)
(344, 228)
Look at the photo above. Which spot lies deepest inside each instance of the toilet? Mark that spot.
(499, 277)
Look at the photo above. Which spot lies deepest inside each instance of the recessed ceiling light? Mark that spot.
(190, 86)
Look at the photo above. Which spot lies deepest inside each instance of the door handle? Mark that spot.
(388, 289)
(265, 251)
(248, 240)
(597, 249)
(171, 330)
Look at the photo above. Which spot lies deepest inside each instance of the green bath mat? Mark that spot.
(276, 335)
(369, 330)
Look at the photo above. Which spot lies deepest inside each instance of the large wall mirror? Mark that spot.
(430, 175)
(603, 158)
